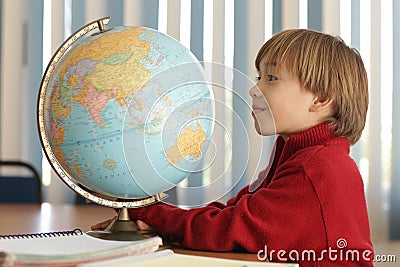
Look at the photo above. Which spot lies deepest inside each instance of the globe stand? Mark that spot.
(122, 229)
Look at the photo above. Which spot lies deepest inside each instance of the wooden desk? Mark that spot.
(33, 218)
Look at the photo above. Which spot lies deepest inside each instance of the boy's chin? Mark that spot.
(265, 131)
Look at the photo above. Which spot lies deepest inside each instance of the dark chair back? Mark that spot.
(20, 189)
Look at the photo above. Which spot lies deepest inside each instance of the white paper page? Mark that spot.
(129, 260)
(62, 245)
(178, 260)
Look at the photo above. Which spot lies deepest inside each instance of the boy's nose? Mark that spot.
(255, 91)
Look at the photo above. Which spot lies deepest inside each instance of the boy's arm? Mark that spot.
(263, 217)
(232, 201)
(241, 193)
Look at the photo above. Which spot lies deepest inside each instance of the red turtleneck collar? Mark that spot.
(319, 135)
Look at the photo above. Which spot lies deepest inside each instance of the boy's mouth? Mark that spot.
(258, 109)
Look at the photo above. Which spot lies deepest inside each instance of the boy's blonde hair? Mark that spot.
(327, 67)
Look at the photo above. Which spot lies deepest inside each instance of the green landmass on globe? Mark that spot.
(127, 112)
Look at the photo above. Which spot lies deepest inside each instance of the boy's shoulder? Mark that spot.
(330, 154)
(330, 160)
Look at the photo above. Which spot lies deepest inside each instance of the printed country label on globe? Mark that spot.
(128, 112)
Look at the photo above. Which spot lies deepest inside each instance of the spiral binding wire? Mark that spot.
(43, 235)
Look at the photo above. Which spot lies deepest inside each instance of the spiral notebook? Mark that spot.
(67, 248)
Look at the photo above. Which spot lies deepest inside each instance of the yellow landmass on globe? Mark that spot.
(189, 143)
(78, 169)
(58, 109)
(130, 76)
(166, 99)
(57, 138)
(107, 45)
(109, 164)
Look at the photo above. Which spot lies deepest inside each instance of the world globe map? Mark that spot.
(128, 112)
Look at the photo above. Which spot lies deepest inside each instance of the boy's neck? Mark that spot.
(285, 136)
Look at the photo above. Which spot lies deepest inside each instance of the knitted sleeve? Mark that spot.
(241, 193)
(272, 215)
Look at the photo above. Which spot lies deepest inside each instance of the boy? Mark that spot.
(310, 207)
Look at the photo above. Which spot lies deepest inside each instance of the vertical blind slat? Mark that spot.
(290, 14)
(315, 15)
(374, 135)
(197, 28)
(395, 185)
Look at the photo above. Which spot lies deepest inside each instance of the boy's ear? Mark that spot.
(320, 104)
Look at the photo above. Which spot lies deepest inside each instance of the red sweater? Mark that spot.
(312, 200)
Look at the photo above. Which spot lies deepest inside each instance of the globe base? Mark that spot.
(122, 229)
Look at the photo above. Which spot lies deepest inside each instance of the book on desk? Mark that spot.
(67, 248)
(75, 248)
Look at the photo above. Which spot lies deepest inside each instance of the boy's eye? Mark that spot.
(270, 78)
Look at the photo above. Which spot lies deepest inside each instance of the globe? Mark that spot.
(125, 113)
